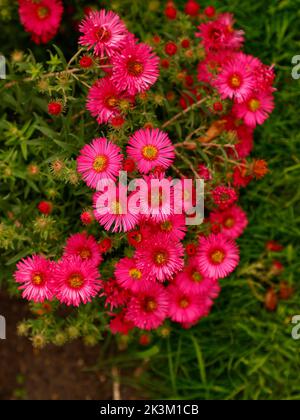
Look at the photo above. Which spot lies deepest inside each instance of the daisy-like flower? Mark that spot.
(192, 280)
(35, 274)
(218, 256)
(235, 81)
(224, 197)
(220, 35)
(103, 101)
(98, 161)
(41, 18)
(113, 212)
(135, 68)
(174, 226)
(186, 307)
(103, 31)
(151, 148)
(159, 258)
(256, 109)
(232, 222)
(76, 281)
(115, 296)
(83, 246)
(149, 308)
(129, 276)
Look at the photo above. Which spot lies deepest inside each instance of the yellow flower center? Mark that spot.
(85, 253)
(135, 274)
(37, 279)
(111, 102)
(43, 12)
(184, 303)
(197, 277)
(150, 152)
(116, 208)
(254, 105)
(235, 81)
(229, 222)
(217, 257)
(75, 281)
(166, 226)
(100, 163)
(150, 305)
(161, 258)
(135, 68)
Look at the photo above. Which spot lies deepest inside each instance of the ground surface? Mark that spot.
(54, 373)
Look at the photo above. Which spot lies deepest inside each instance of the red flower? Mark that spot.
(185, 43)
(86, 218)
(274, 246)
(117, 121)
(210, 11)
(129, 165)
(134, 238)
(218, 106)
(171, 48)
(192, 8)
(271, 300)
(45, 207)
(86, 62)
(105, 245)
(286, 291)
(171, 12)
(191, 250)
(55, 108)
(165, 63)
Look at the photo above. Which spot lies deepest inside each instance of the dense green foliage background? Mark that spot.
(240, 351)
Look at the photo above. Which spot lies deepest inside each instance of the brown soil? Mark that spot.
(50, 374)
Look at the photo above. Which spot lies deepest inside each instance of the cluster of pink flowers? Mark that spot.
(237, 76)
(41, 18)
(166, 275)
(131, 67)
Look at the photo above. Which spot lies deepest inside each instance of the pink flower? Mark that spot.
(103, 101)
(76, 281)
(186, 307)
(83, 246)
(218, 256)
(113, 213)
(256, 109)
(220, 35)
(224, 197)
(103, 31)
(35, 274)
(129, 276)
(192, 280)
(149, 308)
(210, 67)
(100, 160)
(41, 18)
(204, 172)
(235, 81)
(232, 222)
(159, 258)
(174, 226)
(151, 148)
(135, 68)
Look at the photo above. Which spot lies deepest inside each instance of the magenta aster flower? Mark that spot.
(76, 281)
(35, 274)
(159, 258)
(99, 161)
(151, 148)
(135, 68)
(174, 226)
(218, 256)
(192, 280)
(232, 222)
(256, 109)
(83, 246)
(224, 197)
(187, 308)
(113, 213)
(129, 276)
(103, 31)
(235, 81)
(149, 308)
(103, 101)
(41, 18)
